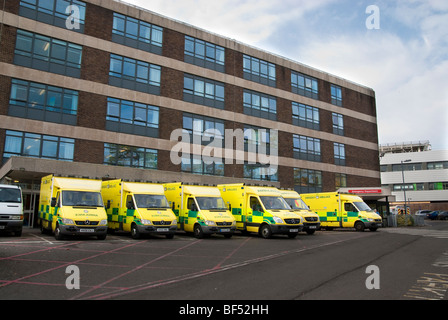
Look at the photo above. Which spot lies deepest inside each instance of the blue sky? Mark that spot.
(405, 61)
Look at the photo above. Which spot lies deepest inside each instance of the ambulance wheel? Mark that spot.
(169, 236)
(135, 234)
(359, 226)
(57, 233)
(265, 231)
(198, 233)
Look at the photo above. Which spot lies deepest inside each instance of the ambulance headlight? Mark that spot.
(210, 223)
(174, 221)
(144, 221)
(103, 222)
(233, 223)
(277, 219)
(67, 221)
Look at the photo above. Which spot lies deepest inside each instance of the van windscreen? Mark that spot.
(81, 198)
(10, 195)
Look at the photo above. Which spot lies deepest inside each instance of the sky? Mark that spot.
(398, 48)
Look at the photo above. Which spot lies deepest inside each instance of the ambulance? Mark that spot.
(262, 210)
(341, 210)
(311, 221)
(72, 206)
(138, 208)
(200, 210)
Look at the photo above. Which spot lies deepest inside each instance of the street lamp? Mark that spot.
(404, 187)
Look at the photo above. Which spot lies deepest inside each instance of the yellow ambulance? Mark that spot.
(138, 208)
(341, 210)
(200, 209)
(261, 210)
(311, 221)
(72, 206)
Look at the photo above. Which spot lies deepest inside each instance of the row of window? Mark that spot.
(59, 148)
(141, 35)
(54, 104)
(439, 165)
(421, 186)
(48, 103)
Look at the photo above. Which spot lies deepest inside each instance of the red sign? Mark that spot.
(365, 191)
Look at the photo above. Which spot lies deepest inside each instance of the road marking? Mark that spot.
(206, 272)
(48, 241)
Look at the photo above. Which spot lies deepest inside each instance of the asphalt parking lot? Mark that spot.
(36, 266)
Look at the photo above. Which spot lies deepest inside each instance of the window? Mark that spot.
(257, 140)
(137, 34)
(338, 124)
(258, 171)
(38, 146)
(134, 74)
(437, 165)
(411, 186)
(128, 156)
(204, 54)
(42, 102)
(260, 105)
(259, 71)
(132, 117)
(195, 164)
(307, 181)
(340, 180)
(204, 91)
(339, 154)
(438, 186)
(407, 167)
(47, 54)
(306, 148)
(54, 12)
(336, 95)
(202, 129)
(305, 116)
(304, 85)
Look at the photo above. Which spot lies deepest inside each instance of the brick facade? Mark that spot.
(92, 108)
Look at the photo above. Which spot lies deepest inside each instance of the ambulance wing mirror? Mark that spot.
(230, 207)
(108, 204)
(53, 202)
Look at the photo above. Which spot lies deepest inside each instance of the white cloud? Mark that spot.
(248, 21)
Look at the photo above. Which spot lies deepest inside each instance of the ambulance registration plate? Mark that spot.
(86, 230)
(224, 230)
(163, 230)
(293, 230)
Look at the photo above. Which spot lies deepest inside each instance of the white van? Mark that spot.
(11, 209)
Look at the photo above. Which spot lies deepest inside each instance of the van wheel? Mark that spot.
(57, 233)
(198, 233)
(359, 226)
(135, 234)
(265, 231)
